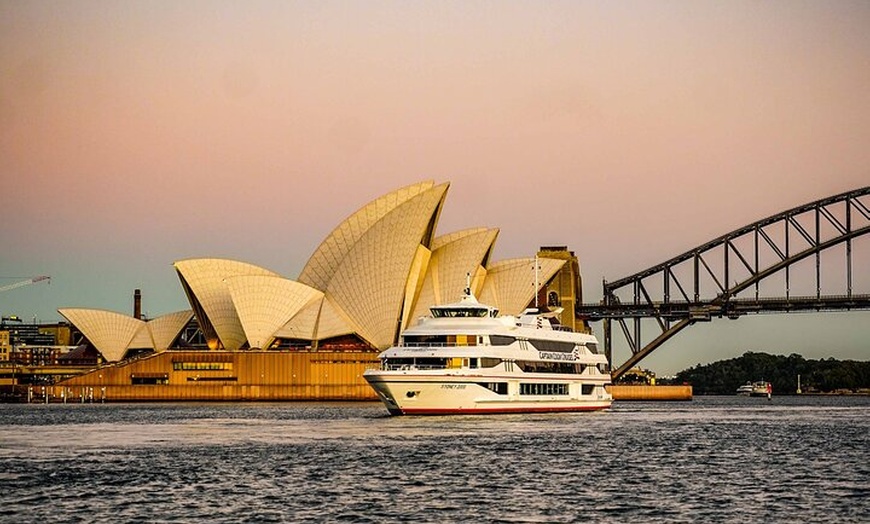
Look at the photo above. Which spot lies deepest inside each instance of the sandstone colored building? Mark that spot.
(274, 338)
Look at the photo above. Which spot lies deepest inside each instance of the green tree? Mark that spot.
(725, 376)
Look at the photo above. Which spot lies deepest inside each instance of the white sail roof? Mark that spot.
(376, 273)
(333, 251)
(165, 328)
(302, 325)
(205, 279)
(333, 322)
(142, 339)
(264, 303)
(109, 332)
(113, 334)
(510, 284)
(369, 283)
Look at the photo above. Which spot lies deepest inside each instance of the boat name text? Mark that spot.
(549, 355)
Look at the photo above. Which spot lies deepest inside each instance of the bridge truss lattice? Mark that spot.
(763, 267)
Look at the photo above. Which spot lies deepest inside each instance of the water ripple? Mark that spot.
(717, 459)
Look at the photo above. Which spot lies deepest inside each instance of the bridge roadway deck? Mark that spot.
(733, 308)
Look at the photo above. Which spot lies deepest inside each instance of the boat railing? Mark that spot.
(434, 344)
(557, 327)
(411, 367)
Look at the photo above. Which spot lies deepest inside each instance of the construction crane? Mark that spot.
(34, 280)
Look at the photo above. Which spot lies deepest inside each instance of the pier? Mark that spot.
(622, 392)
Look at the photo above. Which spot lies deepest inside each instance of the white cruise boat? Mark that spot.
(756, 389)
(466, 359)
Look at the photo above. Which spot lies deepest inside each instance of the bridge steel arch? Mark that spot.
(724, 277)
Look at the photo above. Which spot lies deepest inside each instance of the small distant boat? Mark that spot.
(756, 389)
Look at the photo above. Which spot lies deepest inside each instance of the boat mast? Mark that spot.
(537, 269)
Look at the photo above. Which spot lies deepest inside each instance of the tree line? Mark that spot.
(823, 376)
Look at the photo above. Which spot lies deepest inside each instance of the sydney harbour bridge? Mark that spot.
(809, 258)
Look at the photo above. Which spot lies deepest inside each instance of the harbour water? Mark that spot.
(719, 459)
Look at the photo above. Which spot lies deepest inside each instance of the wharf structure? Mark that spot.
(260, 336)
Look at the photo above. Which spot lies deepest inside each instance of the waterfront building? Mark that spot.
(32, 342)
(32, 333)
(5, 345)
(33, 353)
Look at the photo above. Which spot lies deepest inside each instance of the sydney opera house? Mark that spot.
(268, 337)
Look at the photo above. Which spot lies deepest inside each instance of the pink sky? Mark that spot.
(134, 134)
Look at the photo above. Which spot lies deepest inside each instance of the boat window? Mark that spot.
(472, 363)
(461, 340)
(489, 362)
(587, 389)
(431, 363)
(454, 363)
(553, 345)
(536, 366)
(592, 346)
(398, 363)
(425, 340)
(456, 312)
(543, 389)
(394, 364)
(501, 340)
(497, 387)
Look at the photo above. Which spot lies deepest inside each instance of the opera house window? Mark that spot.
(152, 379)
(202, 366)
